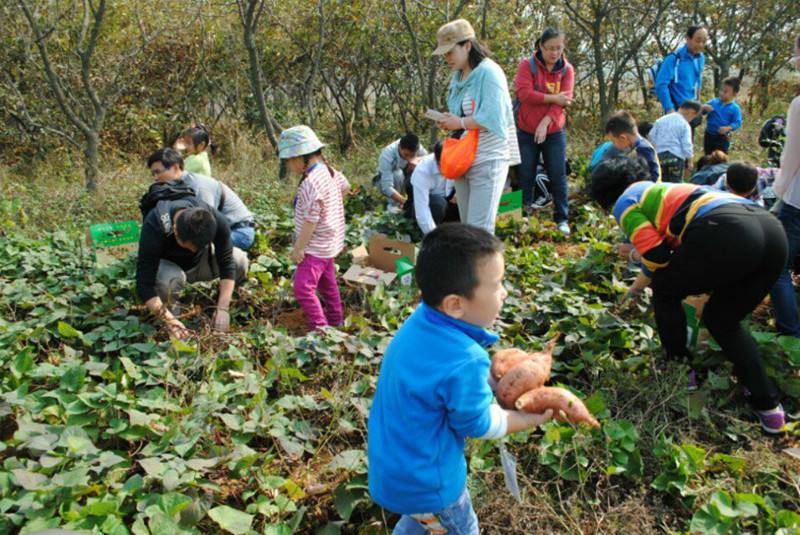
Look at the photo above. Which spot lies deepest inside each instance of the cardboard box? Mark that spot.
(113, 241)
(377, 263)
(510, 205)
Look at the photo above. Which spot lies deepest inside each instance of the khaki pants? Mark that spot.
(171, 279)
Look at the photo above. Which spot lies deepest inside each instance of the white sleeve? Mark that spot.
(790, 158)
(498, 427)
(686, 142)
(422, 210)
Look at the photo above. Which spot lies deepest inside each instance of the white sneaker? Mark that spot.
(563, 227)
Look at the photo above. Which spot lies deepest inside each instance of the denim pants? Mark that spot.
(318, 274)
(243, 237)
(456, 519)
(784, 298)
(554, 153)
(479, 192)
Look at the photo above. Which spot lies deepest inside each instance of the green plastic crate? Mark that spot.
(510, 202)
(111, 241)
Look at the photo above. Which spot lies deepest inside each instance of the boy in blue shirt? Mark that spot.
(724, 117)
(621, 129)
(433, 390)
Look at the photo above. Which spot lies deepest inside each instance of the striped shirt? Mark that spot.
(491, 147)
(655, 216)
(319, 200)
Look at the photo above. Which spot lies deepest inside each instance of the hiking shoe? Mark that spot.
(773, 420)
(693, 381)
(541, 202)
(563, 227)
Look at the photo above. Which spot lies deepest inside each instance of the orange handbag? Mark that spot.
(458, 154)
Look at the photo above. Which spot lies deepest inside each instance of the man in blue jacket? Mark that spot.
(680, 77)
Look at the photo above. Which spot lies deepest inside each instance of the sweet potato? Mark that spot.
(504, 360)
(527, 375)
(566, 405)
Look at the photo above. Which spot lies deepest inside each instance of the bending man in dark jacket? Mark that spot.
(186, 241)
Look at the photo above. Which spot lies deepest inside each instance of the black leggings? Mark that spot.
(735, 253)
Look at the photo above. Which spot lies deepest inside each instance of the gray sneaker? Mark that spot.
(563, 227)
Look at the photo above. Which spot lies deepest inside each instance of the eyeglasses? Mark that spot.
(157, 172)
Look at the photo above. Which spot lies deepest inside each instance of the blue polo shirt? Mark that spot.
(729, 114)
(432, 394)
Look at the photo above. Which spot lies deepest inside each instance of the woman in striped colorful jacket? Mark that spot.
(694, 240)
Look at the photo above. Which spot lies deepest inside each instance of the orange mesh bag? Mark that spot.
(458, 154)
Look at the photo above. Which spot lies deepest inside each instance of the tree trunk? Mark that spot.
(256, 85)
(90, 153)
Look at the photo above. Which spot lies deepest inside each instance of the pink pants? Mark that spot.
(318, 274)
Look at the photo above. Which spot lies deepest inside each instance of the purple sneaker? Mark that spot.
(693, 382)
(773, 420)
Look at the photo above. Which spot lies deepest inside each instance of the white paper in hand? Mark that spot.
(509, 463)
(435, 115)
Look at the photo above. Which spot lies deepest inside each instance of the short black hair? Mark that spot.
(437, 151)
(733, 82)
(449, 258)
(409, 142)
(199, 134)
(167, 156)
(196, 225)
(612, 177)
(692, 104)
(741, 177)
(644, 128)
(621, 122)
(693, 30)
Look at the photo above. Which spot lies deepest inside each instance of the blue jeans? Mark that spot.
(554, 152)
(458, 519)
(784, 299)
(243, 237)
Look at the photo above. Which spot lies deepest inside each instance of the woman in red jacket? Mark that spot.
(544, 86)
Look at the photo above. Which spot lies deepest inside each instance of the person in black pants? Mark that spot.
(718, 244)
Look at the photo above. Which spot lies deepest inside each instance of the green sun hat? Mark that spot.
(298, 141)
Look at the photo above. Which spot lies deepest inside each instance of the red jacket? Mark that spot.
(531, 93)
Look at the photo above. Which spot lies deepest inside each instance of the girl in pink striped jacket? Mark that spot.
(318, 226)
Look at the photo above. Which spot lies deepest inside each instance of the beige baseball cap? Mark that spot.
(451, 34)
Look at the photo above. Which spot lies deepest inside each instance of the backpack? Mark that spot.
(516, 104)
(653, 71)
(164, 191)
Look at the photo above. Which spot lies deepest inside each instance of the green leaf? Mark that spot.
(23, 362)
(73, 378)
(182, 347)
(231, 520)
(68, 331)
(153, 466)
(29, 480)
(277, 529)
(791, 345)
(349, 460)
(130, 368)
